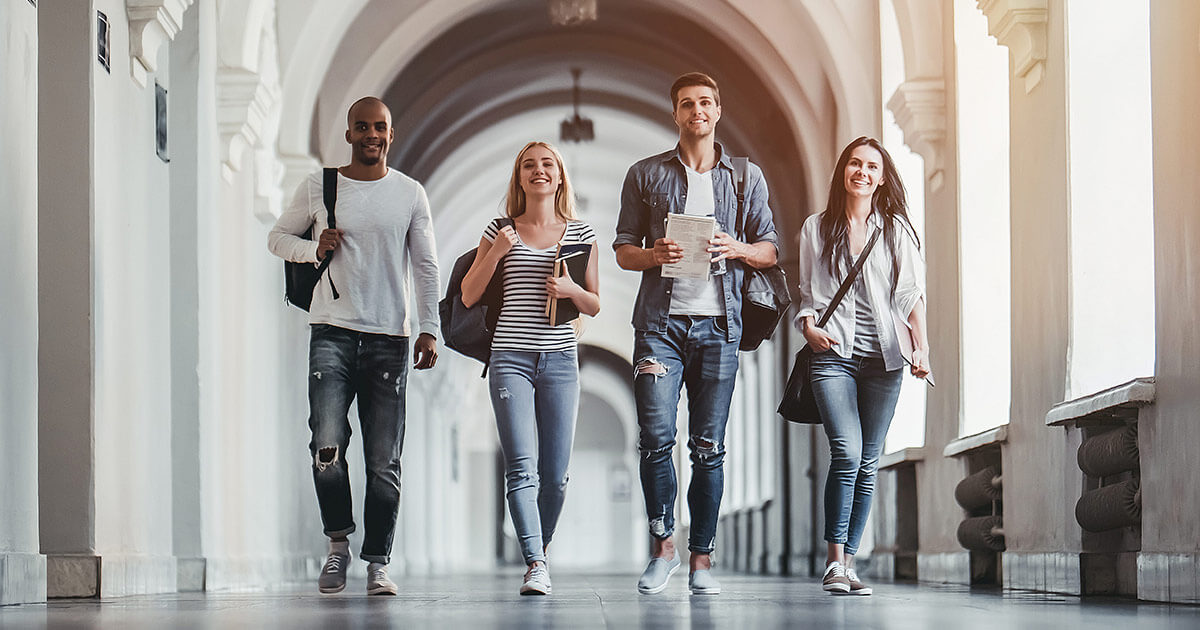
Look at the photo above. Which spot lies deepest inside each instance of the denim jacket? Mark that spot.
(656, 186)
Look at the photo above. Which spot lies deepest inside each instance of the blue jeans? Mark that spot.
(536, 399)
(694, 352)
(856, 398)
(344, 364)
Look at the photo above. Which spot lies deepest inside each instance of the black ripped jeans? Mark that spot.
(344, 364)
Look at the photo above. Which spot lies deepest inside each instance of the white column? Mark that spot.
(22, 567)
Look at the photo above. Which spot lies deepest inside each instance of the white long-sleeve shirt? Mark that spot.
(387, 229)
(818, 286)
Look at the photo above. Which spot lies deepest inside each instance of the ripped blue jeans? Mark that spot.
(694, 352)
(344, 364)
(536, 399)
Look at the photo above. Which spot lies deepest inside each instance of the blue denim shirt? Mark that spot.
(656, 186)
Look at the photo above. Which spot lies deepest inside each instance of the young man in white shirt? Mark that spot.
(360, 331)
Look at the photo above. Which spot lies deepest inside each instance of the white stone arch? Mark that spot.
(322, 78)
(313, 29)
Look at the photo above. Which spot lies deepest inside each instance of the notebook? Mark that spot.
(570, 258)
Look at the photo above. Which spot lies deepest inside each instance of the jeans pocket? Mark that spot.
(721, 324)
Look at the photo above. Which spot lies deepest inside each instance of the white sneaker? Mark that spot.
(377, 580)
(537, 580)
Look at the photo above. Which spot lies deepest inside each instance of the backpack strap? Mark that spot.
(329, 191)
(740, 166)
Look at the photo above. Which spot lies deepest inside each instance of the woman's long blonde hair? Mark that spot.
(564, 197)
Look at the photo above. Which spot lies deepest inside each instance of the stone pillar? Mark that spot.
(22, 567)
(1169, 567)
(67, 507)
(1039, 493)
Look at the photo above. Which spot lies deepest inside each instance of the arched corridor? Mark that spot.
(153, 436)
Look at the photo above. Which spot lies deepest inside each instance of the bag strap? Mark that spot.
(740, 166)
(329, 191)
(841, 292)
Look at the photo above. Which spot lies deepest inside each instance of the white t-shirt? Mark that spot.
(693, 296)
(523, 324)
(818, 286)
(387, 229)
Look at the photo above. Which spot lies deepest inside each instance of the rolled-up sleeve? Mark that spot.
(631, 221)
(910, 286)
(284, 240)
(423, 251)
(806, 262)
(760, 222)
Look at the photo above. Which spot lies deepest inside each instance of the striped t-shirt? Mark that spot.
(523, 324)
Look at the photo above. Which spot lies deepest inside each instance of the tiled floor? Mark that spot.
(605, 601)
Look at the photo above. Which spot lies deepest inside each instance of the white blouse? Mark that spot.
(818, 286)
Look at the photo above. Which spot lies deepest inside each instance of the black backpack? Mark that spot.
(469, 331)
(300, 279)
(765, 296)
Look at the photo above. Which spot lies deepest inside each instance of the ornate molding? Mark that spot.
(243, 103)
(1021, 26)
(919, 106)
(152, 23)
(247, 89)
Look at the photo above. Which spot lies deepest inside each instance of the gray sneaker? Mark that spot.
(856, 585)
(333, 574)
(537, 580)
(834, 580)
(377, 580)
(654, 578)
(701, 582)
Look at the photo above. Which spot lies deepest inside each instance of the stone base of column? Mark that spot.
(22, 578)
(1169, 577)
(1052, 572)
(190, 574)
(113, 575)
(952, 567)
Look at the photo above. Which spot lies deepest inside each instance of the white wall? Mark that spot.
(131, 324)
(22, 569)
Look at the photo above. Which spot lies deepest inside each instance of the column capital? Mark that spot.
(1021, 26)
(919, 106)
(152, 23)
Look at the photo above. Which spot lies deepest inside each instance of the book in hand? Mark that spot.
(691, 233)
(570, 258)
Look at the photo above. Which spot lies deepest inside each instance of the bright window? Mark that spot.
(981, 91)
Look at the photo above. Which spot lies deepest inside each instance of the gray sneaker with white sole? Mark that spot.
(658, 572)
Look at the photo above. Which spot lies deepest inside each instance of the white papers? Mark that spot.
(692, 233)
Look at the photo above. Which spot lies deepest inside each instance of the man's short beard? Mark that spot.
(369, 161)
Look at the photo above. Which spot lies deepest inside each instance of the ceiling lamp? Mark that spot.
(571, 12)
(576, 128)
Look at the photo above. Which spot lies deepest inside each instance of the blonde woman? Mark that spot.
(534, 369)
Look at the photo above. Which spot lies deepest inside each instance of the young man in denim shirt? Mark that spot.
(687, 330)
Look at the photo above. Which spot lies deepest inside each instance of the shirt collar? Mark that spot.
(722, 160)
